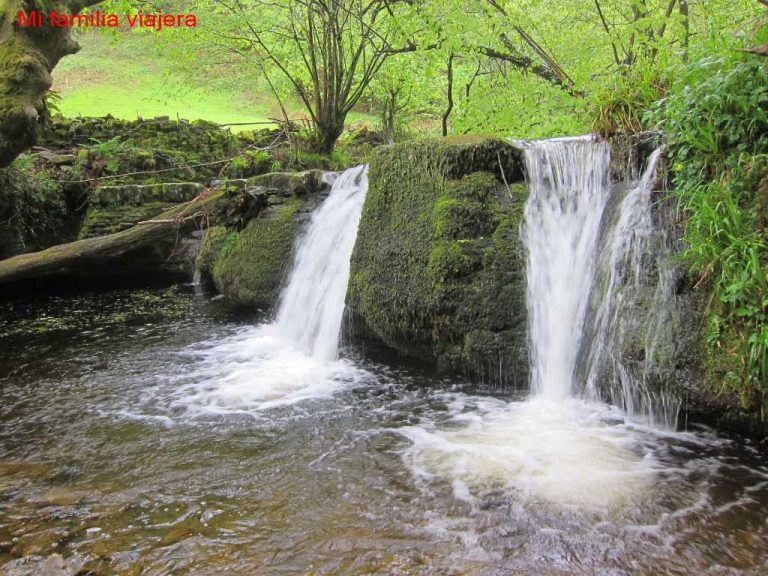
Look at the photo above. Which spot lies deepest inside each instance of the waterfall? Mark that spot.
(632, 302)
(557, 446)
(569, 184)
(312, 303)
(600, 283)
(293, 358)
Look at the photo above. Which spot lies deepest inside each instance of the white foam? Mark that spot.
(570, 453)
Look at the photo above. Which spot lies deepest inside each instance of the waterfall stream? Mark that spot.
(593, 287)
(563, 444)
(312, 303)
(293, 358)
(569, 185)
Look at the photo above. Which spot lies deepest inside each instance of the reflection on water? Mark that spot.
(132, 443)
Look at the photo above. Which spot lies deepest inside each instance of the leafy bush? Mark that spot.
(716, 122)
(33, 207)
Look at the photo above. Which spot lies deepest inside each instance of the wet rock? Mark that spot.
(292, 184)
(438, 270)
(53, 565)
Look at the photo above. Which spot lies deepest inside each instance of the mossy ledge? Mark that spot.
(248, 266)
(438, 270)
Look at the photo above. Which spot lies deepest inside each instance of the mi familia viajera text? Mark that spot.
(53, 19)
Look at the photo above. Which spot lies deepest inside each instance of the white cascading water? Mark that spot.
(312, 303)
(555, 446)
(626, 241)
(293, 358)
(569, 185)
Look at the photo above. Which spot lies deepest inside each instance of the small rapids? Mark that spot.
(107, 456)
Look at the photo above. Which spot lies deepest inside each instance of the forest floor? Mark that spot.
(132, 76)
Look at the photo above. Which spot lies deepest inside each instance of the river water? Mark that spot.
(156, 432)
(114, 455)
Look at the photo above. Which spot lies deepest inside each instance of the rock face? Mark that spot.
(247, 265)
(438, 271)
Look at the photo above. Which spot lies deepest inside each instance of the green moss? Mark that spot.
(34, 209)
(209, 250)
(111, 146)
(438, 270)
(102, 220)
(250, 265)
(446, 261)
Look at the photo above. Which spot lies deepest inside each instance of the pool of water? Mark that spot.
(155, 432)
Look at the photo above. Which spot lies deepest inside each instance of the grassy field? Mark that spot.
(128, 76)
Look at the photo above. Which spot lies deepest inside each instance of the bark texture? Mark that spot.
(27, 57)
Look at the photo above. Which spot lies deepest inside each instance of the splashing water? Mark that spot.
(554, 447)
(293, 358)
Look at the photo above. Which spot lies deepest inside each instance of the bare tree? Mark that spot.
(328, 50)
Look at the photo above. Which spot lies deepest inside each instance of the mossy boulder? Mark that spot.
(248, 266)
(438, 270)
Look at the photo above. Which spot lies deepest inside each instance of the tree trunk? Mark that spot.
(150, 249)
(327, 133)
(27, 57)
(449, 109)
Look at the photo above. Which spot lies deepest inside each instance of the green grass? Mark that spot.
(130, 75)
(120, 75)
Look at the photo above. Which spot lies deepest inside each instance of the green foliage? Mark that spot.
(229, 243)
(621, 108)
(716, 121)
(33, 208)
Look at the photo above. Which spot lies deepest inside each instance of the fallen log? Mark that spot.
(162, 247)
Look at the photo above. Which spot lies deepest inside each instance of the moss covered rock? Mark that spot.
(115, 208)
(438, 270)
(248, 266)
(286, 184)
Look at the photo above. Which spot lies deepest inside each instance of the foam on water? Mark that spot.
(570, 453)
(256, 370)
(295, 357)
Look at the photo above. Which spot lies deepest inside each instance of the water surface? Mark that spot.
(131, 443)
